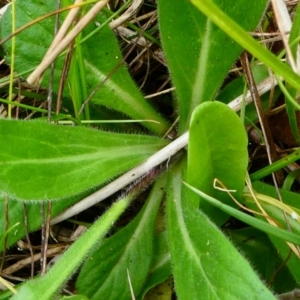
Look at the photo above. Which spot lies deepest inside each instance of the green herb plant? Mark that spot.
(197, 182)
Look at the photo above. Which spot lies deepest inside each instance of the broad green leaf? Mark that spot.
(101, 55)
(199, 54)
(120, 93)
(104, 275)
(47, 287)
(39, 161)
(217, 149)
(205, 264)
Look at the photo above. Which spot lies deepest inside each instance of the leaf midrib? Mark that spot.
(108, 154)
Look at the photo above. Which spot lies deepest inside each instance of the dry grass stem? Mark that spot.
(36, 75)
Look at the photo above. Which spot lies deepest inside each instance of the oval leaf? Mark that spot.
(205, 264)
(199, 54)
(217, 149)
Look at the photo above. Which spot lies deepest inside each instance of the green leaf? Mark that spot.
(47, 286)
(217, 149)
(199, 54)
(101, 55)
(205, 264)
(39, 161)
(104, 275)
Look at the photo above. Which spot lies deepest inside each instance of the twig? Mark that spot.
(160, 93)
(26, 261)
(131, 11)
(6, 229)
(28, 240)
(63, 77)
(64, 28)
(270, 147)
(45, 238)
